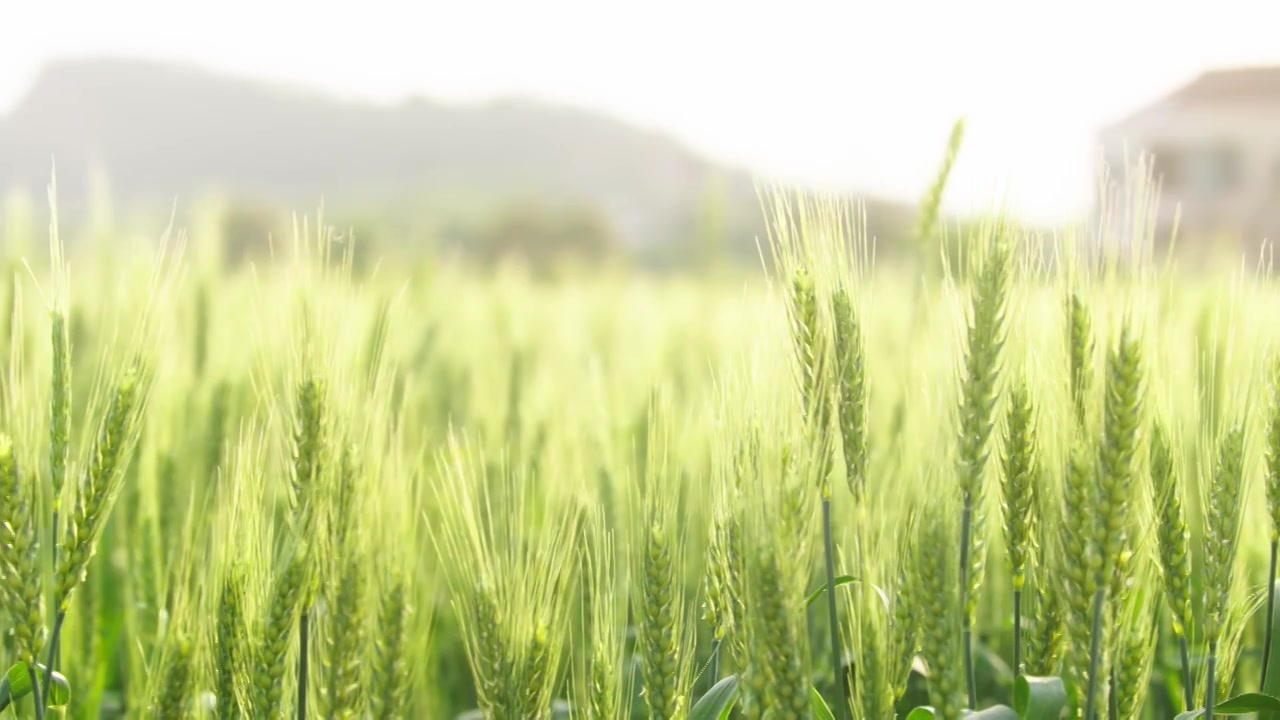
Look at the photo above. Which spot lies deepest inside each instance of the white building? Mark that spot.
(1216, 148)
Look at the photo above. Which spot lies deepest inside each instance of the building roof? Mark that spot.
(1253, 84)
(1258, 86)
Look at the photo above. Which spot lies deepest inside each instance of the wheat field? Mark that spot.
(1032, 477)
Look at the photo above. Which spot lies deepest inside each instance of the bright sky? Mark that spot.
(846, 93)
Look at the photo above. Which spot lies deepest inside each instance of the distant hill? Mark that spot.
(163, 130)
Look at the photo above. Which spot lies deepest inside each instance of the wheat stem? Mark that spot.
(1271, 602)
(53, 649)
(1210, 691)
(1017, 632)
(966, 521)
(1184, 653)
(304, 624)
(35, 691)
(833, 615)
(53, 656)
(1095, 654)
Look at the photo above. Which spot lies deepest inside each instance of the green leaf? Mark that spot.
(995, 712)
(1039, 698)
(1245, 704)
(15, 685)
(841, 580)
(819, 706)
(717, 702)
(1249, 702)
(992, 673)
(60, 696)
(924, 712)
(19, 681)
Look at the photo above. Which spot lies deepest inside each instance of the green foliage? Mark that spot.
(1039, 698)
(1246, 704)
(16, 685)
(717, 702)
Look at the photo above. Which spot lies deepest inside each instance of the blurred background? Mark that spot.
(636, 134)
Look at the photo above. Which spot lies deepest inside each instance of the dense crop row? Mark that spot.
(1045, 476)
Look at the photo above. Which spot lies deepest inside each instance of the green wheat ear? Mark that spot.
(807, 337)
(276, 633)
(1272, 485)
(730, 569)
(1122, 423)
(1020, 471)
(60, 408)
(1020, 476)
(904, 632)
(344, 638)
(600, 685)
(980, 393)
(1223, 620)
(1222, 531)
(310, 442)
(492, 666)
(851, 387)
(389, 691)
(1136, 654)
(935, 583)
(877, 680)
(345, 641)
(1047, 642)
(718, 609)
(1112, 522)
(812, 351)
(1077, 561)
(1173, 546)
(931, 204)
(231, 642)
(99, 485)
(20, 573)
(1171, 530)
(659, 632)
(1273, 455)
(1080, 351)
(175, 694)
(763, 553)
